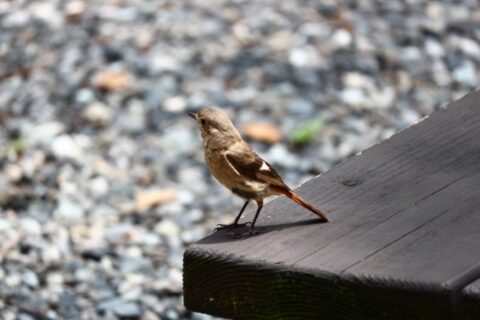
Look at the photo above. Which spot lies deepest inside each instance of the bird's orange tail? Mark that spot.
(300, 201)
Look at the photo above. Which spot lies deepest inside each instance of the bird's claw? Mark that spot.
(245, 235)
(230, 226)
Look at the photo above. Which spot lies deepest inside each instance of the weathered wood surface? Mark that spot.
(470, 302)
(403, 242)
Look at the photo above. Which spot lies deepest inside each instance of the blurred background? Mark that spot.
(102, 178)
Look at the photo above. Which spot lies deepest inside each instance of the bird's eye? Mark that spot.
(203, 122)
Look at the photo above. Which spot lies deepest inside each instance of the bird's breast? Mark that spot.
(220, 168)
(223, 171)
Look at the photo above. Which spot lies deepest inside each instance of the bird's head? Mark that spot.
(215, 125)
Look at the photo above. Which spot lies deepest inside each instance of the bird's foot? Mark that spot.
(245, 235)
(230, 226)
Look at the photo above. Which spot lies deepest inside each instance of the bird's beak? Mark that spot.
(193, 115)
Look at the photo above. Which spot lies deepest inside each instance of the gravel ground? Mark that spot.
(102, 179)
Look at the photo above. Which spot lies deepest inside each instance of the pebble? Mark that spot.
(99, 186)
(279, 154)
(353, 97)
(171, 314)
(305, 57)
(44, 133)
(185, 197)
(127, 311)
(470, 47)
(434, 48)
(16, 19)
(12, 280)
(13, 172)
(164, 62)
(65, 146)
(150, 315)
(466, 74)
(51, 254)
(441, 75)
(301, 107)
(47, 13)
(194, 215)
(85, 96)
(410, 117)
(167, 228)
(356, 80)
(98, 114)
(55, 278)
(4, 225)
(30, 226)
(74, 10)
(280, 41)
(342, 39)
(175, 104)
(119, 233)
(24, 316)
(134, 120)
(69, 210)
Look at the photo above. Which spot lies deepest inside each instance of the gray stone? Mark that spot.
(301, 107)
(409, 117)
(30, 278)
(305, 57)
(4, 224)
(99, 186)
(69, 210)
(13, 172)
(434, 48)
(280, 155)
(167, 228)
(44, 133)
(84, 96)
(66, 146)
(127, 310)
(353, 97)
(98, 114)
(466, 74)
(175, 104)
(30, 226)
(24, 316)
(341, 39)
(16, 19)
(134, 120)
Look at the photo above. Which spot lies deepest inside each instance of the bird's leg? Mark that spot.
(235, 223)
(250, 231)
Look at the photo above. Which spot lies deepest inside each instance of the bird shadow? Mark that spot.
(222, 236)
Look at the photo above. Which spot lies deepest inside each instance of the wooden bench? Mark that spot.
(403, 242)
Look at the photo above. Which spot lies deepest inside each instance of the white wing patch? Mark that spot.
(264, 167)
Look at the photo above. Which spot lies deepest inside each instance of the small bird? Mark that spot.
(240, 169)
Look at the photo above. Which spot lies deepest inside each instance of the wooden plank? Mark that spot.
(469, 304)
(401, 238)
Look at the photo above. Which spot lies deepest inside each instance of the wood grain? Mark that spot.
(402, 242)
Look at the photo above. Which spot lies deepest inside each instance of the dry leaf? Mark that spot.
(264, 132)
(147, 199)
(112, 81)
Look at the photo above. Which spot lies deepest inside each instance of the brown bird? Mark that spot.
(235, 165)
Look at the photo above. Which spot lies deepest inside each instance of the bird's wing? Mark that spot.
(249, 164)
